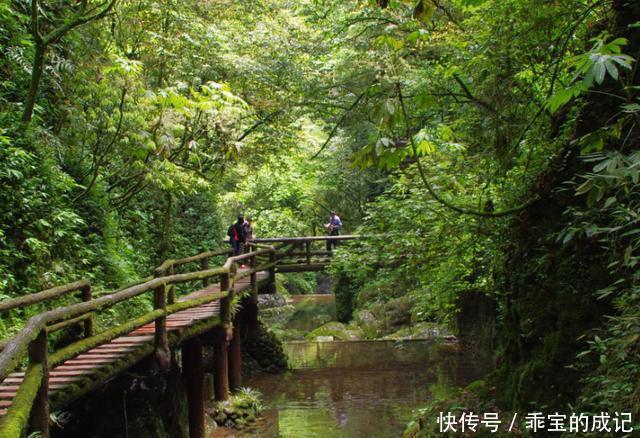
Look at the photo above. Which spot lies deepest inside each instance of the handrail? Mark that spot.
(83, 286)
(245, 256)
(31, 299)
(18, 345)
(205, 255)
(307, 239)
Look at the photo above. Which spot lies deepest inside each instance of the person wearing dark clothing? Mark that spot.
(333, 227)
(237, 236)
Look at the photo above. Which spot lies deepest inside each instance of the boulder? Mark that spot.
(337, 331)
(369, 324)
(268, 301)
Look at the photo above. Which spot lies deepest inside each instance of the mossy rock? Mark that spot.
(239, 410)
(369, 324)
(412, 429)
(338, 330)
(481, 388)
(398, 312)
(265, 349)
(422, 330)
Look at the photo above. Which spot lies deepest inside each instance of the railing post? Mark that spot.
(204, 265)
(88, 323)
(161, 340)
(225, 303)
(220, 358)
(308, 248)
(254, 275)
(171, 292)
(252, 300)
(38, 354)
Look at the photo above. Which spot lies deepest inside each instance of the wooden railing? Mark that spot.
(29, 408)
(304, 254)
(169, 267)
(82, 286)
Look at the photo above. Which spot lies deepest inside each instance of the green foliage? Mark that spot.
(417, 120)
(612, 198)
(36, 223)
(344, 290)
(423, 253)
(592, 67)
(299, 283)
(465, 97)
(266, 350)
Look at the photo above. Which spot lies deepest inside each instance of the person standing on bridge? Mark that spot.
(237, 235)
(333, 227)
(248, 229)
(248, 233)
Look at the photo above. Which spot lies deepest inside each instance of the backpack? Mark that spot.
(232, 233)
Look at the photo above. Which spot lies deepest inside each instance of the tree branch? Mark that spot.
(58, 33)
(435, 195)
(337, 125)
(100, 160)
(259, 123)
(471, 97)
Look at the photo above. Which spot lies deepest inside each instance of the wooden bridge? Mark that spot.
(35, 379)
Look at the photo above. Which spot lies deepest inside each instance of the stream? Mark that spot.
(368, 388)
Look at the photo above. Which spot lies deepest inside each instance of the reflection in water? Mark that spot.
(311, 311)
(361, 388)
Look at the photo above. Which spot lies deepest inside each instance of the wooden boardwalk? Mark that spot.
(34, 379)
(99, 362)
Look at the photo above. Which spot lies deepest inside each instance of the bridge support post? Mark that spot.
(220, 364)
(38, 354)
(194, 375)
(235, 356)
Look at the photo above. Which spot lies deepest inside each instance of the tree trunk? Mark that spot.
(165, 242)
(36, 75)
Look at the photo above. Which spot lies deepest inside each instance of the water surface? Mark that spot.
(361, 388)
(350, 388)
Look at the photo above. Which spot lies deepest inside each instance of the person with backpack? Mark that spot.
(333, 227)
(237, 235)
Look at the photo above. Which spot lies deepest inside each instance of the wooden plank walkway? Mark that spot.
(100, 360)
